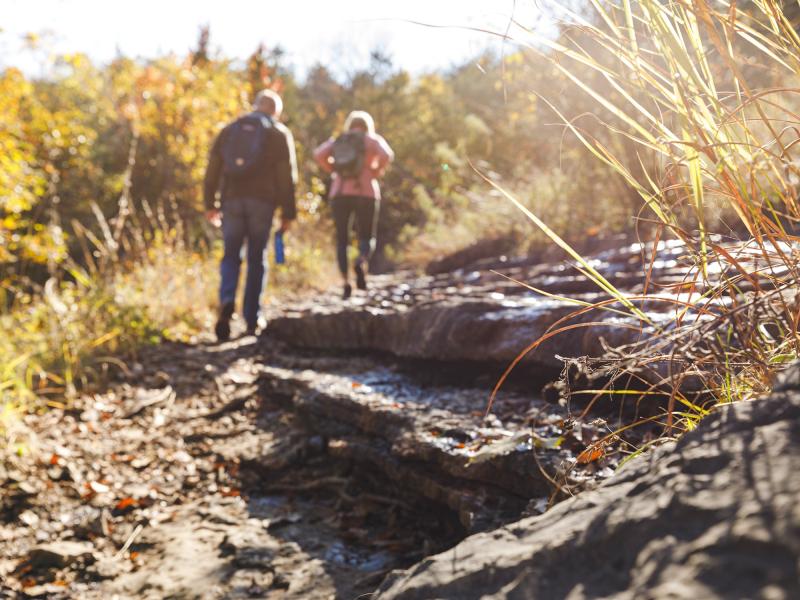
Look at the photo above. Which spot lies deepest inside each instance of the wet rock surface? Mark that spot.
(466, 257)
(482, 312)
(252, 469)
(714, 515)
(437, 438)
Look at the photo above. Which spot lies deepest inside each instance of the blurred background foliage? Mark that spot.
(101, 169)
(66, 138)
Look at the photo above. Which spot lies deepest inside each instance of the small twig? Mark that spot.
(371, 579)
(339, 482)
(384, 500)
(137, 530)
(236, 403)
(409, 541)
(168, 394)
(311, 485)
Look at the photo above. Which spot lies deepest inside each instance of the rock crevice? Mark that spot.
(713, 515)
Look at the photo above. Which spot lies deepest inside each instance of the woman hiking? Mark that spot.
(355, 159)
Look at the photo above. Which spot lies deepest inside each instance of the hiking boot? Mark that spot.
(347, 292)
(361, 276)
(223, 326)
(256, 328)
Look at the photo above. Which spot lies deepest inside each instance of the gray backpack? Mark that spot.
(349, 150)
(244, 145)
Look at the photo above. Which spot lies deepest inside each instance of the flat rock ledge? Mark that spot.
(477, 314)
(715, 515)
(432, 440)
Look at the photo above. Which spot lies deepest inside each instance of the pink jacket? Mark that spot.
(378, 155)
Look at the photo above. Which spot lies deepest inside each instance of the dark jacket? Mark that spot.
(275, 182)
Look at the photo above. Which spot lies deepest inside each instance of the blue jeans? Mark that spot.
(245, 219)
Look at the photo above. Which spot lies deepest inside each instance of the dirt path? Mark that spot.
(184, 482)
(253, 469)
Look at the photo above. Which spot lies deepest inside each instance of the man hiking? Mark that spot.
(356, 159)
(252, 163)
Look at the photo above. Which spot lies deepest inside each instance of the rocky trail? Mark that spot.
(250, 470)
(330, 455)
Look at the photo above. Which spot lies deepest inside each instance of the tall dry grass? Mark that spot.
(708, 92)
(136, 283)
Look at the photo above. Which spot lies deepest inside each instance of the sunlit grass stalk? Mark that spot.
(678, 81)
(96, 312)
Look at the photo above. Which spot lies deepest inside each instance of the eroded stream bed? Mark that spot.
(250, 469)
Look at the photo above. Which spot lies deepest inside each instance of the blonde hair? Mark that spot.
(360, 118)
(268, 102)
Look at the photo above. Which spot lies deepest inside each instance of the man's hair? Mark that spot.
(359, 118)
(269, 102)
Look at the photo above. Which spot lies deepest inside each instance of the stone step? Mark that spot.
(482, 315)
(433, 439)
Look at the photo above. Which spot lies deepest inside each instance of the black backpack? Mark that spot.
(348, 154)
(244, 145)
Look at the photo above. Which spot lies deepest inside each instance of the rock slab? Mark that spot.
(714, 515)
(482, 316)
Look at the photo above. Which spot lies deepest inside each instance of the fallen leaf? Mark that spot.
(550, 443)
(125, 503)
(591, 454)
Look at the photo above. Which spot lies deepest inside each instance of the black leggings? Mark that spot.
(365, 211)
